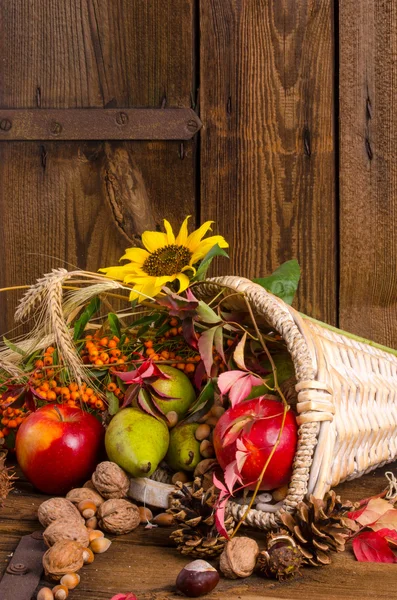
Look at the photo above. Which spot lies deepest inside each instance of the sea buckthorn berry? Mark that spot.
(89, 391)
(113, 360)
(105, 357)
(180, 366)
(99, 405)
(116, 339)
(190, 368)
(73, 387)
(174, 331)
(112, 344)
(155, 357)
(94, 354)
(111, 387)
(98, 362)
(50, 372)
(65, 391)
(48, 361)
(178, 358)
(51, 395)
(74, 395)
(52, 384)
(115, 352)
(104, 341)
(117, 391)
(165, 354)
(44, 387)
(174, 322)
(172, 354)
(50, 350)
(12, 424)
(57, 390)
(39, 364)
(88, 337)
(180, 330)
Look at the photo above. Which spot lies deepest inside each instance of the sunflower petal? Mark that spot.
(181, 238)
(135, 255)
(117, 273)
(189, 268)
(183, 282)
(170, 233)
(195, 237)
(153, 240)
(143, 291)
(160, 281)
(206, 245)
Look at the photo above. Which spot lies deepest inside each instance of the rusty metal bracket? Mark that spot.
(98, 124)
(24, 570)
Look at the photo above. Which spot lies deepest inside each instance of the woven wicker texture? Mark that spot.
(347, 398)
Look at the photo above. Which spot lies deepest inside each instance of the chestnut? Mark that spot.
(197, 579)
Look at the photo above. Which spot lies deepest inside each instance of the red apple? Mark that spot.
(258, 423)
(58, 447)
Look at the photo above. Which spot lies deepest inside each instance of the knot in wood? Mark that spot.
(5, 125)
(55, 128)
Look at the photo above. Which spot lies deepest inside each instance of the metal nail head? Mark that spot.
(5, 125)
(121, 118)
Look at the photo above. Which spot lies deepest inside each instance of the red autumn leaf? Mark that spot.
(369, 546)
(356, 513)
(205, 344)
(147, 371)
(375, 508)
(390, 535)
(239, 385)
(387, 521)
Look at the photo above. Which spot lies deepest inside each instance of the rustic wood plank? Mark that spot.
(69, 203)
(267, 166)
(144, 561)
(368, 169)
(98, 124)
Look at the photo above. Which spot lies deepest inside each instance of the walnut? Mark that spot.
(63, 557)
(79, 494)
(118, 516)
(58, 508)
(238, 558)
(110, 480)
(66, 530)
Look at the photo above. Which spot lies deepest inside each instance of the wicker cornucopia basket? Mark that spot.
(346, 398)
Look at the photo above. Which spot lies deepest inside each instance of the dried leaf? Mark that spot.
(238, 354)
(206, 314)
(205, 345)
(390, 535)
(373, 511)
(369, 546)
(387, 521)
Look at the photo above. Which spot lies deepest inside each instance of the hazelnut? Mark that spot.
(61, 592)
(172, 418)
(197, 579)
(88, 484)
(95, 533)
(80, 494)
(65, 556)
(180, 476)
(207, 449)
(110, 480)
(88, 556)
(100, 545)
(45, 594)
(118, 516)
(87, 508)
(212, 421)
(91, 523)
(65, 530)
(58, 509)
(164, 520)
(217, 411)
(280, 493)
(70, 580)
(238, 558)
(202, 432)
(145, 514)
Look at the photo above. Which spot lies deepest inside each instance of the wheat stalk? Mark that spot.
(36, 293)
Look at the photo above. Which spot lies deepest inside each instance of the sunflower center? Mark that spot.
(168, 260)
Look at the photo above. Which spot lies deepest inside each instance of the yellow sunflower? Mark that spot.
(167, 258)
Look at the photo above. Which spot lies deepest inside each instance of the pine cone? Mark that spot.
(319, 528)
(282, 559)
(193, 508)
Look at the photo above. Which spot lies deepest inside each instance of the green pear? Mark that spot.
(184, 450)
(136, 441)
(178, 387)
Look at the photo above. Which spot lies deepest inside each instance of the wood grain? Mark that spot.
(267, 164)
(368, 169)
(145, 562)
(68, 202)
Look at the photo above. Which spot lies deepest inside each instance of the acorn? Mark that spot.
(197, 578)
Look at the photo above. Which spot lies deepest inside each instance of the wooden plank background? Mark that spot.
(271, 165)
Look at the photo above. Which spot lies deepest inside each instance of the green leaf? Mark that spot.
(202, 405)
(13, 347)
(283, 282)
(86, 315)
(206, 314)
(113, 403)
(205, 263)
(114, 324)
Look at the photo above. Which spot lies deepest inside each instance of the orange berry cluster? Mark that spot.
(104, 351)
(11, 418)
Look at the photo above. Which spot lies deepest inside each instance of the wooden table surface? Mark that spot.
(144, 562)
